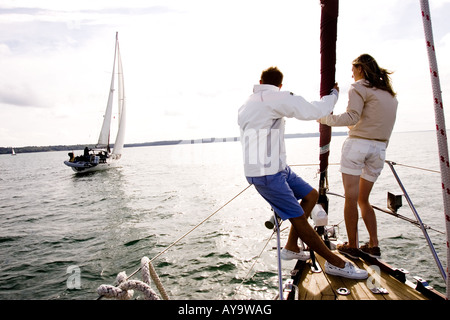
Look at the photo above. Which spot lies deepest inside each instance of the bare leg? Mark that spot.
(310, 237)
(307, 204)
(367, 211)
(351, 187)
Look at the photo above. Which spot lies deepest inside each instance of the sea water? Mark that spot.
(63, 235)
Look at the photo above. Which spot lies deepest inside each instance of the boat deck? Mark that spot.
(321, 286)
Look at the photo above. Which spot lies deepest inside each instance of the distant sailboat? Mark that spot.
(13, 153)
(101, 157)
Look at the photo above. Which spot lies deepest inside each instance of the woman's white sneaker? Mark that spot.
(349, 271)
(291, 255)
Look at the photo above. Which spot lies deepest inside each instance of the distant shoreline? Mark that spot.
(30, 149)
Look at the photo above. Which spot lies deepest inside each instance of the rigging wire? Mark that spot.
(396, 163)
(414, 167)
(394, 214)
(190, 231)
(246, 277)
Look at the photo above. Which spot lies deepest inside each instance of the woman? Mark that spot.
(370, 116)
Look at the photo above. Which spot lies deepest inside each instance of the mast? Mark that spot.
(328, 37)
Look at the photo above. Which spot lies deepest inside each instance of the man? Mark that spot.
(262, 124)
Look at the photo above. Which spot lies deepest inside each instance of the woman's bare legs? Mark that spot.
(351, 187)
(357, 192)
(367, 212)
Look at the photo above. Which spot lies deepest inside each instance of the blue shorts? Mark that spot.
(282, 191)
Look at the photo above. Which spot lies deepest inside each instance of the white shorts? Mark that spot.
(361, 157)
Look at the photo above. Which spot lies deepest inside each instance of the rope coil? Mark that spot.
(125, 288)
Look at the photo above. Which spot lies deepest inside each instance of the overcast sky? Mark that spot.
(189, 65)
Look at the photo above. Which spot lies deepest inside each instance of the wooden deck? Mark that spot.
(321, 286)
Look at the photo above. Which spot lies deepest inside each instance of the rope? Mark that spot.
(198, 225)
(148, 265)
(440, 125)
(117, 292)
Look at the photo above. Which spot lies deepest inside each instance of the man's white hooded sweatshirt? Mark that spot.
(261, 121)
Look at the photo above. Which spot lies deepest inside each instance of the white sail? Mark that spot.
(103, 139)
(120, 138)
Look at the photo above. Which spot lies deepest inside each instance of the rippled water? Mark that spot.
(56, 224)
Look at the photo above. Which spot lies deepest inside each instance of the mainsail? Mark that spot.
(104, 137)
(328, 36)
(118, 144)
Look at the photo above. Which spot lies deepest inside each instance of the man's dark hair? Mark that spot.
(272, 76)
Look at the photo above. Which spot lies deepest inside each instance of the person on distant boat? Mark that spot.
(370, 116)
(262, 124)
(86, 154)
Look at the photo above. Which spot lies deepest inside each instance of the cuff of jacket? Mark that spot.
(335, 92)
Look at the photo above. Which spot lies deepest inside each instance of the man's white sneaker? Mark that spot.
(349, 271)
(291, 255)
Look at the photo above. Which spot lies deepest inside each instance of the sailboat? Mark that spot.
(100, 157)
(13, 152)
